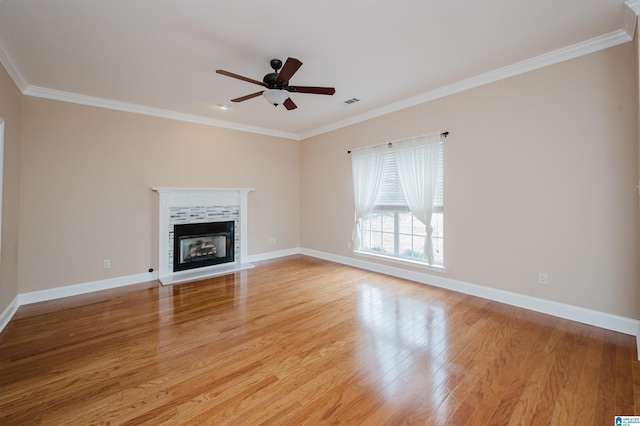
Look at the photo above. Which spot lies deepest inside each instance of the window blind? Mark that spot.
(438, 200)
(391, 191)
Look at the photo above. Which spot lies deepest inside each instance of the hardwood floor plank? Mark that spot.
(551, 394)
(587, 389)
(305, 341)
(519, 401)
(605, 398)
(636, 382)
(513, 358)
(625, 402)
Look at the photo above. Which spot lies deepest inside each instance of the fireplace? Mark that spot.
(208, 226)
(196, 245)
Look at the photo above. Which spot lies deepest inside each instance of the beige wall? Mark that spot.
(540, 175)
(10, 112)
(86, 181)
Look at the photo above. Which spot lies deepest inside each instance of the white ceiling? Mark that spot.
(159, 56)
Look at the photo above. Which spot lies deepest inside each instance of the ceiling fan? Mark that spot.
(277, 84)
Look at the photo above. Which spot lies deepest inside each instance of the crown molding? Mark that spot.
(579, 49)
(632, 10)
(633, 5)
(58, 95)
(10, 64)
(631, 13)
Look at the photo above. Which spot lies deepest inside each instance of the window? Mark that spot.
(390, 228)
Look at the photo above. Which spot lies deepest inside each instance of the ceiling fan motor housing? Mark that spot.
(270, 79)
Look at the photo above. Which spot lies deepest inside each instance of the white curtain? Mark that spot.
(417, 160)
(367, 165)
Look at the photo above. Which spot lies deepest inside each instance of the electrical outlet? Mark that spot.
(107, 263)
(543, 278)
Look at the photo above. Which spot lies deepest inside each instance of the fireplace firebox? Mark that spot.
(196, 245)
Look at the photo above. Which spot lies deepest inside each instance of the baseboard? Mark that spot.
(9, 312)
(273, 255)
(84, 288)
(90, 287)
(561, 310)
(70, 290)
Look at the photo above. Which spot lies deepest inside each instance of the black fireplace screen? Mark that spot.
(196, 245)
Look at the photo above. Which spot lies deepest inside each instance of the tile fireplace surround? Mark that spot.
(199, 205)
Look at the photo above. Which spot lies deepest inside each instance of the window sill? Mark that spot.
(405, 262)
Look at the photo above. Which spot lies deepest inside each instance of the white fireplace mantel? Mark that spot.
(199, 197)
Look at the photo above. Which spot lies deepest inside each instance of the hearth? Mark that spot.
(197, 245)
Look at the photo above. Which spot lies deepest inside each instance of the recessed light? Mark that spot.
(223, 107)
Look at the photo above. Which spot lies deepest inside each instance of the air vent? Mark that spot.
(351, 101)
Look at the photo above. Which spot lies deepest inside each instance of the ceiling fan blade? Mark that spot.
(288, 70)
(244, 98)
(239, 77)
(312, 89)
(288, 104)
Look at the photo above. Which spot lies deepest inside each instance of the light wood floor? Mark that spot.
(304, 341)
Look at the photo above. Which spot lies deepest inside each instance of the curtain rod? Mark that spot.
(444, 134)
